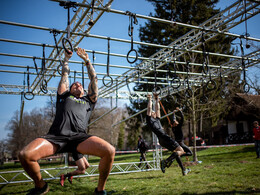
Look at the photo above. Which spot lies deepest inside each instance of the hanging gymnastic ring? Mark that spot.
(205, 67)
(136, 56)
(203, 99)
(188, 93)
(246, 87)
(43, 86)
(222, 94)
(131, 98)
(108, 84)
(59, 69)
(155, 89)
(64, 40)
(28, 93)
(174, 81)
(211, 85)
(138, 88)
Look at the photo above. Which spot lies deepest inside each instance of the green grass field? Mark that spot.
(225, 170)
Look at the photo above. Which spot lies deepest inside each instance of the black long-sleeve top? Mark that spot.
(177, 131)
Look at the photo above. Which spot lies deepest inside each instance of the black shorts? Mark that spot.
(76, 156)
(167, 142)
(67, 143)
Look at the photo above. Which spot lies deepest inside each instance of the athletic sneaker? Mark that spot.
(103, 192)
(70, 177)
(163, 165)
(39, 191)
(186, 171)
(62, 179)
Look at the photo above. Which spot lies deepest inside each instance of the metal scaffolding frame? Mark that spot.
(218, 24)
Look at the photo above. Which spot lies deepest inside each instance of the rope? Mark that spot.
(169, 121)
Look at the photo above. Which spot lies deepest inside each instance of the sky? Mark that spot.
(49, 14)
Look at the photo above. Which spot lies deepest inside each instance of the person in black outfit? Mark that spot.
(67, 133)
(153, 122)
(178, 133)
(141, 145)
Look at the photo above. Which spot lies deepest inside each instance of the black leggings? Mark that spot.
(186, 149)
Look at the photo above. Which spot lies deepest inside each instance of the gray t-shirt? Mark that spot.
(72, 114)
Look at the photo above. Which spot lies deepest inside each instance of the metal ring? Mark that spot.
(109, 84)
(157, 89)
(136, 56)
(205, 67)
(174, 81)
(131, 97)
(211, 85)
(203, 99)
(59, 69)
(138, 88)
(28, 93)
(246, 87)
(188, 93)
(64, 45)
(222, 94)
(43, 86)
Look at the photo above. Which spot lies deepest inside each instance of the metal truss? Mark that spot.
(20, 176)
(79, 24)
(195, 80)
(222, 22)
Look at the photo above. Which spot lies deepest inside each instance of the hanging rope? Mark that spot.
(221, 90)
(66, 41)
(246, 86)
(205, 63)
(169, 121)
(156, 90)
(247, 34)
(93, 58)
(175, 82)
(35, 65)
(132, 21)
(203, 98)
(44, 84)
(29, 95)
(211, 84)
(55, 33)
(188, 92)
(91, 22)
(109, 83)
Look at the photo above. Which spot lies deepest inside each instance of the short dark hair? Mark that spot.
(74, 83)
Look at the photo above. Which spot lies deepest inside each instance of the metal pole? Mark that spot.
(122, 40)
(108, 9)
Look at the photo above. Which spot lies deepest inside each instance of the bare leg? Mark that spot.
(99, 147)
(179, 150)
(34, 151)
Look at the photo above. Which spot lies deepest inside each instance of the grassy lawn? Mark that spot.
(225, 170)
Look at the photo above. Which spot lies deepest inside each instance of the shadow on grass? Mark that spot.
(249, 191)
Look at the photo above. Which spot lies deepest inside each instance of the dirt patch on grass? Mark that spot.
(190, 163)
